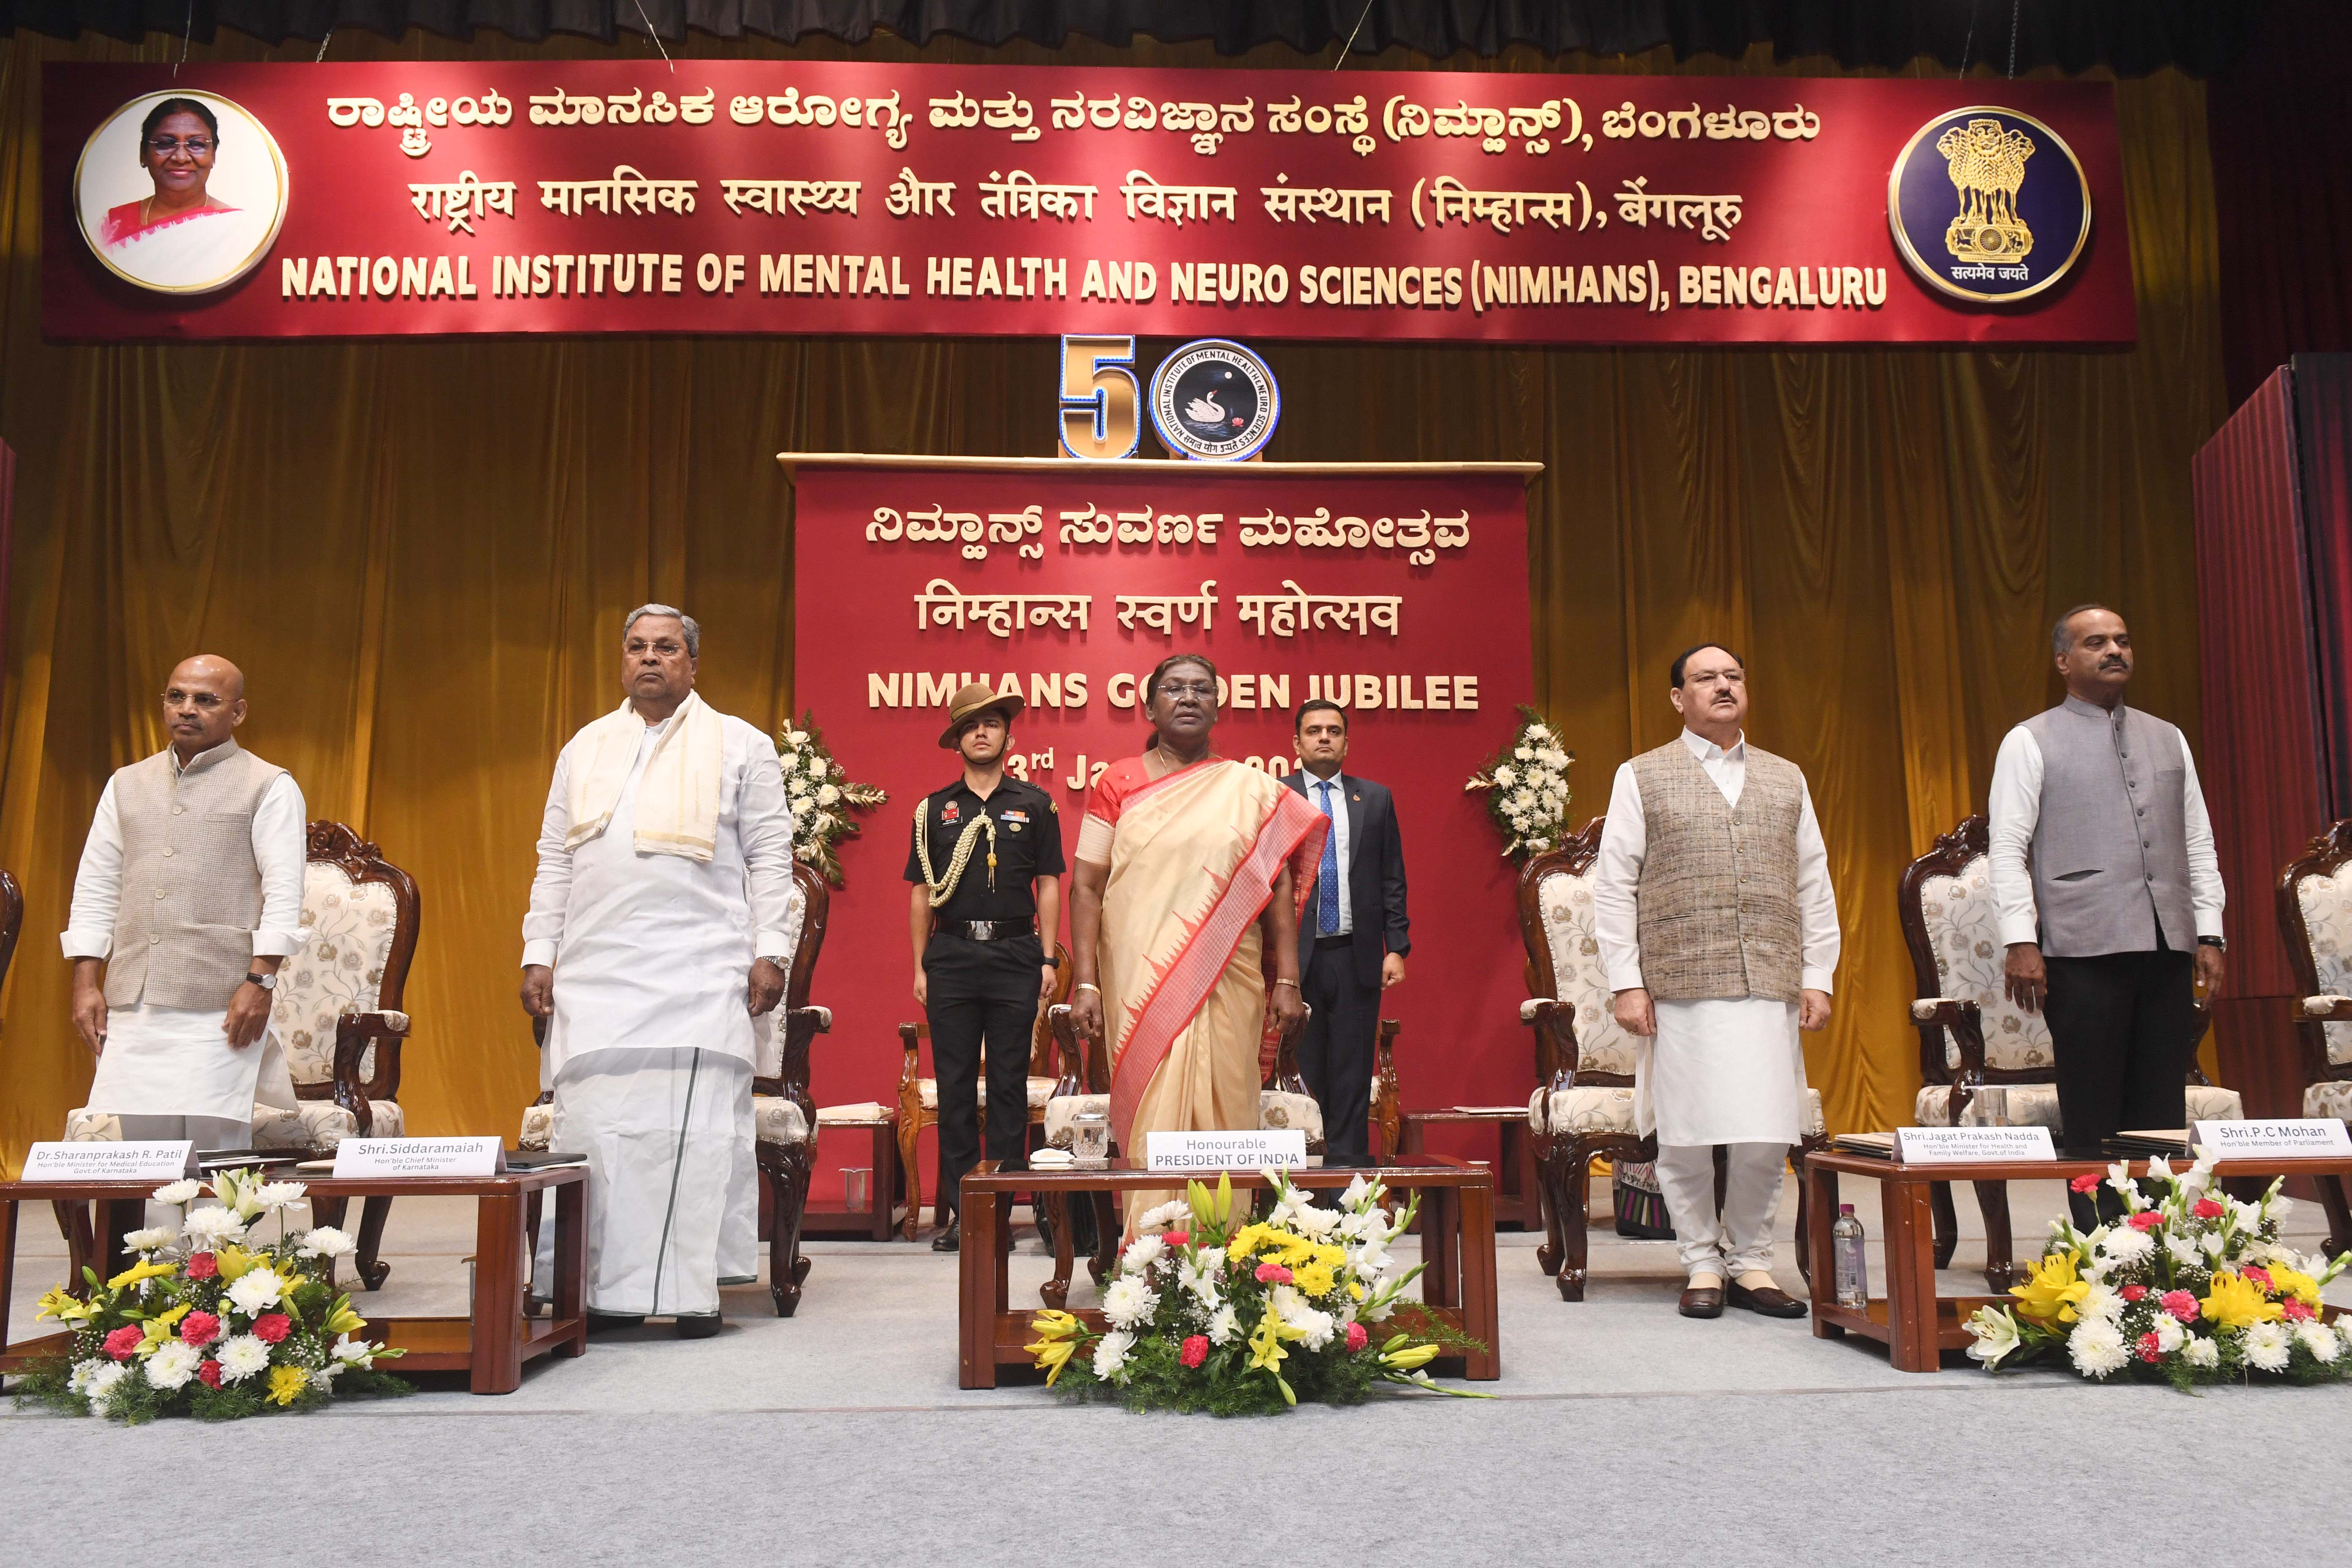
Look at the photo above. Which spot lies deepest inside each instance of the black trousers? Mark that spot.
(1335, 1050)
(981, 998)
(2125, 1028)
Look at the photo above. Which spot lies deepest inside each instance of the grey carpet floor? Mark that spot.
(1621, 1434)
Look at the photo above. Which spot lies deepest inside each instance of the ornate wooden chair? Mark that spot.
(1283, 1101)
(2314, 914)
(783, 1115)
(918, 1098)
(1971, 1034)
(1582, 1108)
(336, 1014)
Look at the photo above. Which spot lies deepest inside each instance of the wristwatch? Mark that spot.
(2213, 941)
(267, 982)
(1056, 960)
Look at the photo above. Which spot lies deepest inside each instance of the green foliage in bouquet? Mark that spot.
(2191, 1288)
(212, 1321)
(1210, 1311)
(822, 796)
(1527, 788)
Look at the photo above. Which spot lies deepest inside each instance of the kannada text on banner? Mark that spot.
(1402, 593)
(831, 198)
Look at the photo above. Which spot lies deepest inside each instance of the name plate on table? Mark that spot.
(2296, 1138)
(139, 1160)
(1247, 1151)
(1968, 1145)
(361, 1158)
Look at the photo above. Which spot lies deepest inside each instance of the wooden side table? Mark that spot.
(1911, 1319)
(490, 1347)
(1517, 1202)
(886, 1191)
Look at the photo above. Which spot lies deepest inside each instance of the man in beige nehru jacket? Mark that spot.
(189, 897)
(1719, 934)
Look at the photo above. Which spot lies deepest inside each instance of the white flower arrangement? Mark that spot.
(1528, 787)
(822, 797)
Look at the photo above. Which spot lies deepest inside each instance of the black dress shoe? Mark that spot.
(606, 1322)
(697, 1325)
(1770, 1300)
(1702, 1301)
(951, 1238)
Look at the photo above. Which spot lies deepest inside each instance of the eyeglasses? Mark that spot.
(197, 146)
(205, 701)
(1205, 689)
(666, 648)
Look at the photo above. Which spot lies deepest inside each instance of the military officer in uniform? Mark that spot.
(985, 863)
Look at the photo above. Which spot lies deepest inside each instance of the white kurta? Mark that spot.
(176, 1061)
(651, 1050)
(1724, 1071)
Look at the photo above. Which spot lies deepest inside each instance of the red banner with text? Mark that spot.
(260, 201)
(1401, 593)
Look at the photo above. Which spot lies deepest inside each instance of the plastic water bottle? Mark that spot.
(1852, 1263)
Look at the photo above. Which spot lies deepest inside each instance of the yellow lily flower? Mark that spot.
(287, 1383)
(1266, 1344)
(1053, 1355)
(236, 1263)
(142, 1270)
(342, 1319)
(63, 1306)
(2235, 1301)
(1408, 1358)
(158, 1329)
(2054, 1290)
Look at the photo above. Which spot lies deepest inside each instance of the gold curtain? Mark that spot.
(420, 551)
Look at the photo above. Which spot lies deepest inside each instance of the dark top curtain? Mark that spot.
(2129, 36)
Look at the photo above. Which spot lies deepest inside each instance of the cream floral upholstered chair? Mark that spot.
(1582, 1108)
(1085, 1085)
(2315, 912)
(784, 1116)
(338, 1019)
(1971, 1034)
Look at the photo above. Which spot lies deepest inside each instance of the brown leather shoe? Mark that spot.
(1770, 1300)
(1702, 1301)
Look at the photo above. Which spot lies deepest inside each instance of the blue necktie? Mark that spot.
(1326, 880)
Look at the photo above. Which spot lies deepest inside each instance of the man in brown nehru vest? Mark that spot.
(1719, 935)
(189, 897)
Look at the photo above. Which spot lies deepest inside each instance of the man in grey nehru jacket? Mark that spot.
(188, 898)
(2123, 888)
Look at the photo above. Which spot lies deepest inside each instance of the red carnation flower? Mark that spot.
(2182, 1305)
(124, 1342)
(1273, 1274)
(203, 1265)
(2148, 1346)
(1195, 1350)
(2145, 1220)
(2260, 1276)
(2206, 1208)
(199, 1328)
(2295, 1309)
(272, 1327)
(1357, 1338)
(209, 1374)
(2135, 1292)
(2085, 1183)
(1178, 1238)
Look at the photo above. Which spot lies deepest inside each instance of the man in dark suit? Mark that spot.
(1352, 936)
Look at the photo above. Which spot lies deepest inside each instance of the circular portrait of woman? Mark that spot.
(182, 193)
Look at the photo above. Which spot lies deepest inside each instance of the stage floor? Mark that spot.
(1621, 1434)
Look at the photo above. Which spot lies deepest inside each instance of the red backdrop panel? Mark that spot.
(872, 676)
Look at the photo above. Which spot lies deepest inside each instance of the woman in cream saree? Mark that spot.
(1184, 920)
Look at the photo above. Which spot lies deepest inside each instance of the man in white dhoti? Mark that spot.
(188, 898)
(659, 919)
(1719, 935)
